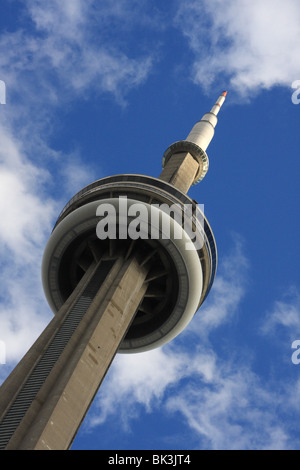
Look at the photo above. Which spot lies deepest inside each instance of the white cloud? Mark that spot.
(55, 15)
(68, 52)
(285, 315)
(25, 215)
(246, 45)
(234, 411)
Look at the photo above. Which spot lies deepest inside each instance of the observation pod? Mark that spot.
(175, 243)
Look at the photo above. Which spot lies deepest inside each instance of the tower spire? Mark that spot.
(203, 131)
(185, 163)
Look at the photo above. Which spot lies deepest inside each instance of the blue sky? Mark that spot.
(95, 88)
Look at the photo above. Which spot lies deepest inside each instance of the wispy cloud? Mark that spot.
(245, 45)
(25, 216)
(66, 49)
(233, 411)
(284, 316)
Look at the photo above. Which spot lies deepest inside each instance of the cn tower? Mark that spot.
(112, 289)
